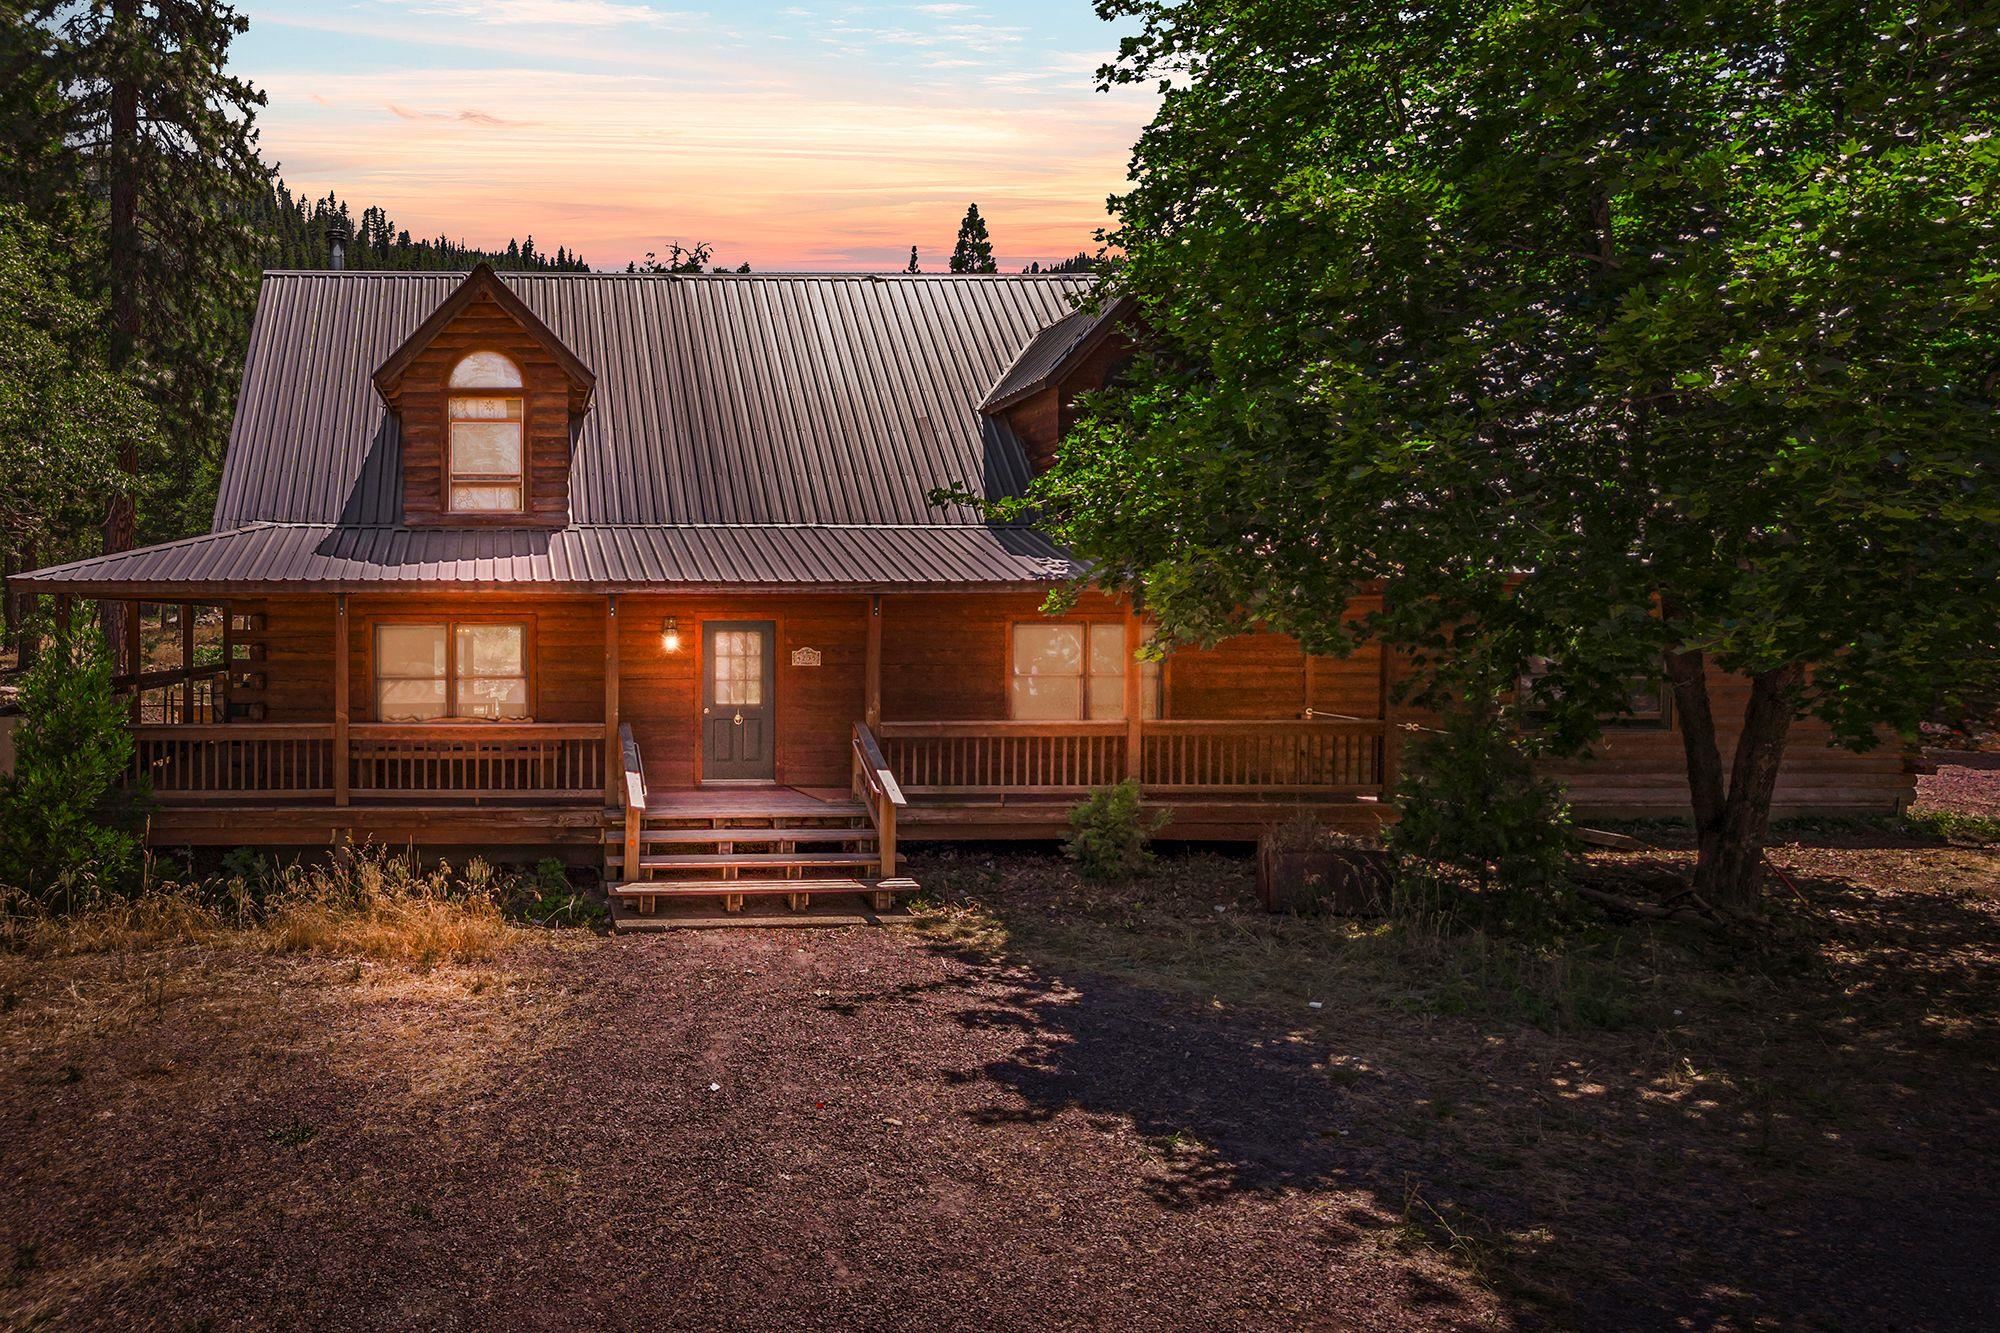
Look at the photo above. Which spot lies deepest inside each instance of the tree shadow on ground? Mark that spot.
(1793, 1127)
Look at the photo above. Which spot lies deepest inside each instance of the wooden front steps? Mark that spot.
(704, 855)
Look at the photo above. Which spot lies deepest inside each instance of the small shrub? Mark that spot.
(1473, 815)
(1953, 826)
(1110, 833)
(547, 898)
(58, 810)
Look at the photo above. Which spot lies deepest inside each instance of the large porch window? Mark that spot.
(474, 670)
(1065, 672)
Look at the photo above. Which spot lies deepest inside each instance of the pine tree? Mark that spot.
(154, 116)
(914, 266)
(974, 251)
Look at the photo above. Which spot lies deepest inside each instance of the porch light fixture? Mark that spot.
(670, 635)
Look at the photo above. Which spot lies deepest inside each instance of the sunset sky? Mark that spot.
(792, 135)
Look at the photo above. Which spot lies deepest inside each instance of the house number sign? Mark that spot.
(805, 657)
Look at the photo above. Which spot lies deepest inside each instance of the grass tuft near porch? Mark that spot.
(359, 901)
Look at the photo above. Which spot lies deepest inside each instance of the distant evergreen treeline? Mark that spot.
(300, 235)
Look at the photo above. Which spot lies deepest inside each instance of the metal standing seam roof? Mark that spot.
(279, 556)
(781, 429)
(719, 399)
(1049, 353)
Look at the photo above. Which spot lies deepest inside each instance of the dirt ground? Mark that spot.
(1045, 1106)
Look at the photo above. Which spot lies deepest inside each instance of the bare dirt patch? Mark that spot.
(1963, 782)
(1046, 1106)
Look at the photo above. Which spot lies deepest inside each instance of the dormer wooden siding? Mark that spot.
(1044, 417)
(483, 316)
(1076, 354)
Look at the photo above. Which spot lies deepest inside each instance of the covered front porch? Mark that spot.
(265, 727)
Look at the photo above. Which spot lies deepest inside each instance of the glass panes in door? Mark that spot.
(739, 668)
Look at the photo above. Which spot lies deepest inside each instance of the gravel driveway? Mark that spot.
(752, 1128)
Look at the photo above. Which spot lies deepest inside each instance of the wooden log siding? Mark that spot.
(1233, 733)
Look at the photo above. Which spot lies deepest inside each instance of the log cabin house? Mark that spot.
(647, 566)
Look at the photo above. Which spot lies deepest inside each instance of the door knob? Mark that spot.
(738, 719)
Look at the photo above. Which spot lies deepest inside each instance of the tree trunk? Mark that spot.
(1733, 878)
(120, 518)
(1730, 821)
(1687, 672)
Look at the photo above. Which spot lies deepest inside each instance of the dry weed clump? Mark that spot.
(367, 901)
(385, 906)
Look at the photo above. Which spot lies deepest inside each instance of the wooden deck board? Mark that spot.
(694, 914)
(751, 802)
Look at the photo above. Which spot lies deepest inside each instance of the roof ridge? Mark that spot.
(856, 275)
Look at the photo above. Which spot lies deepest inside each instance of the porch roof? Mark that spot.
(267, 557)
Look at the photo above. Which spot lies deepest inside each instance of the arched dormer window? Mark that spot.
(485, 450)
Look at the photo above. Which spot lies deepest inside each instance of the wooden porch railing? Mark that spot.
(633, 794)
(1284, 757)
(547, 759)
(283, 761)
(987, 758)
(1287, 757)
(875, 783)
(297, 761)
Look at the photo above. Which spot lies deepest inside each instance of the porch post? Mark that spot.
(341, 708)
(614, 754)
(130, 621)
(187, 662)
(871, 708)
(1392, 736)
(1135, 695)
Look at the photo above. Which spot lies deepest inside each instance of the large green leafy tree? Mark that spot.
(1639, 338)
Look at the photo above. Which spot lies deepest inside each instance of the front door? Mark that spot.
(737, 718)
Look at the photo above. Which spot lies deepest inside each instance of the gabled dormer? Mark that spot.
(1076, 354)
(487, 401)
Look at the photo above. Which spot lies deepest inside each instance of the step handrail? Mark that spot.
(875, 782)
(635, 797)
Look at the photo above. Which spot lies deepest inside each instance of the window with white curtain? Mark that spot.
(486, 445)
(1066, 672)
(471, 670)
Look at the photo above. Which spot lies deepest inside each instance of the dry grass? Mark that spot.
(364, 902)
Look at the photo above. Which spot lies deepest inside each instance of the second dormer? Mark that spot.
(487, 401)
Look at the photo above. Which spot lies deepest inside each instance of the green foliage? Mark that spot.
(1594, 332)
(71, 752)
(64, 415)
(1110, 831)
(547, 898)
(974, 251)
(1952, 826)
(164, 137)
(1474, 813)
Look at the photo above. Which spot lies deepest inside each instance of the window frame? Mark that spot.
(453, 478)
(450, 624)
(1662, 720)
(1084, 624)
